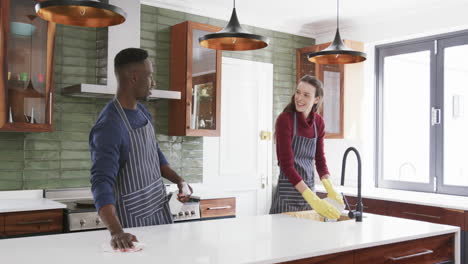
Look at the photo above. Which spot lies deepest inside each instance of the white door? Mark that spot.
(239, 161)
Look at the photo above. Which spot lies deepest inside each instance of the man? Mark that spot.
(127, 163)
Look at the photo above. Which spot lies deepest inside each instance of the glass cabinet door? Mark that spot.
(27, 65)
(203, 110)
(332, 77)
(196, 73)
(26, 68)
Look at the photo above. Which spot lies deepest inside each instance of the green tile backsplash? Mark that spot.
(61, 159)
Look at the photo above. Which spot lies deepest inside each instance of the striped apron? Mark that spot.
(286, 198)
(140, 194)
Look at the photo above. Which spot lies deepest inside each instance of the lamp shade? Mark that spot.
(80, 13)
(233, 37)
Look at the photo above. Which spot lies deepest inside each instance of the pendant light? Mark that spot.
(233, 37)
(83, 13)
(337, 52)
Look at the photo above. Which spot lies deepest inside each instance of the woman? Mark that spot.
(299, 140)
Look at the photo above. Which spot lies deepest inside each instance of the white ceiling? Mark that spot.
(363, 20)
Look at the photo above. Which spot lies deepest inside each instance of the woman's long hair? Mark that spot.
(291, 107)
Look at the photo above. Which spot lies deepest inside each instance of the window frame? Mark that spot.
(434, 44)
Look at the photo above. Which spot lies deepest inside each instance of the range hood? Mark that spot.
(125, 35)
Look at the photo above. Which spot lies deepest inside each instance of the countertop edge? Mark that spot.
(48, 205)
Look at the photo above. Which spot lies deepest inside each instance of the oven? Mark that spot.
(80, 213)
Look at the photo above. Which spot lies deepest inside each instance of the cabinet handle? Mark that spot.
(51, 108)
(425, 252)
(35, 222)
(425, 215)
(219, 207)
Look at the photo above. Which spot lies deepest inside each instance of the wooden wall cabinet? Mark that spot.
(26, 68)
(196, 73)
(333, 78)
(33, 222)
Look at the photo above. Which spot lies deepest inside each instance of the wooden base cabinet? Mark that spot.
(431, 250)
(437, 249)
(2, 226)
(33, 222)
(432, 214)
(337, 258)
(218, 208)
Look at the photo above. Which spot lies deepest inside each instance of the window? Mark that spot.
(422, 126)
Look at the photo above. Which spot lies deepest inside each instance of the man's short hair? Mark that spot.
(128, 56)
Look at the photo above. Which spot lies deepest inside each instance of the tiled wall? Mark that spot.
(61, 158)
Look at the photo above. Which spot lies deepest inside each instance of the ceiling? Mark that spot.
(363, 20)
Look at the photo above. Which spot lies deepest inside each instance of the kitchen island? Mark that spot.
(256, 239)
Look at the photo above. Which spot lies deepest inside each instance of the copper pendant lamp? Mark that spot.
(233, 37)
(83, 13)
(337, 52)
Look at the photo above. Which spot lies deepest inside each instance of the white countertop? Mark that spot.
(26, 200)
(20, 205)
(430, 199)
(254, 239)
(203, 192)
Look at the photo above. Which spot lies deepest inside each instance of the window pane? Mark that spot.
(406, 113)
(454, 119)
(332, 101)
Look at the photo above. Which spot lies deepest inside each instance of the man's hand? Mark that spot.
(120, 240)
(123, 241)
(185, 191)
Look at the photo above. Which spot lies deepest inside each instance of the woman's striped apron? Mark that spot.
(286, 198)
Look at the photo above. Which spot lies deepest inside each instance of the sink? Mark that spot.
(313, 215)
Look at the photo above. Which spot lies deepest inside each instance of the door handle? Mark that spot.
(435, 116)
(219, 207)
(265, 135)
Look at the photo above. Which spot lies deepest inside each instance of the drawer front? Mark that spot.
(465, 228)
(427, 250)
(34, 222)
(2, 225)
(427, 213)
(218, 207)
(338, 258)
(375, 206)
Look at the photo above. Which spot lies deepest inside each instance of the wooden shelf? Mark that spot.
(20, 126)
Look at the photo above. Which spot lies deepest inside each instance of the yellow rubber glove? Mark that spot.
(332, 194)
(320, 206)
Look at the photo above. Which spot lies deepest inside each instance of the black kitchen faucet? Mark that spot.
(357, 214)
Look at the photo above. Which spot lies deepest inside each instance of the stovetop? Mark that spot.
(76, 199)
(80, 206)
